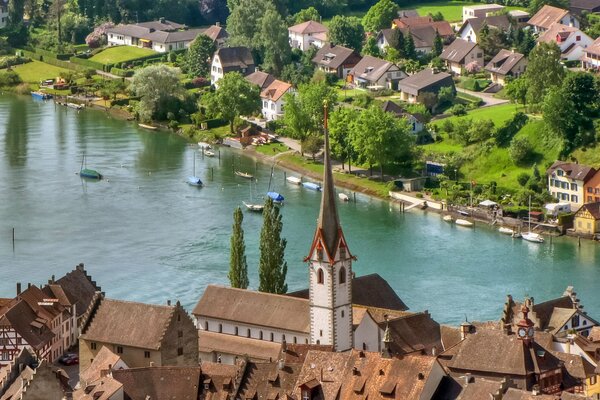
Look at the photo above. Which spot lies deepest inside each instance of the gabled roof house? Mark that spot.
(423, 81)
(375, 73)
(571, 41)
(506, 64)
(459, 53)
(549, 15)
(230, 59)
(336, 59)
(307, 34)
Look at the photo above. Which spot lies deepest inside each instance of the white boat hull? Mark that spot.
(293, 180)
(343, 197)
(447, 218)
(506, 231)
(463, 222)
(532, 237)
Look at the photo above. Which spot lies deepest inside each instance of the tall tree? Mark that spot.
(380, 16)
(272, 267)
(544, 71)
(197, 58)
(346, 31)
(438, 45)
(491, 40)
(341, 123)
(234, 97)
(244, 22)
(155, 85)
(410, 51)
(274, 42)
(307, 14)
(238, 267)
(16, 9)
(370, 48)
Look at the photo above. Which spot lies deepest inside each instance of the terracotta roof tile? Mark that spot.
(572, 170)
(504, 62)
(222, 343)
(546, 16)
(104, 360)
(180, 383)
(308, 27)
(334, 56)
(260, 78)
(235, 57)
(275, 90)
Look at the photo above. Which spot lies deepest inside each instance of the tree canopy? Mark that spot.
(238, 267)
(544, 71)
(346, 31)
(380, 16)
(272, 267)
(155, 85)
(197, 60)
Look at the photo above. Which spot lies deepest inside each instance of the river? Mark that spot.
(145, 235)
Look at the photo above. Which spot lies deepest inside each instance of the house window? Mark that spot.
(206, 326)
(236, 331)
(597, 191)
(479, 55)
(4, 356)
(214, 68)
(593, 379)
(179, 333)
(260, 335)
(320, 276)
(170, 47)
(574, 186)
(321, 333)
(272, 336)
(19, 341)
(119, 349)
(343, 314)
(575, 321)
(305, 395)
(248, 333)
(146, 354)
(573, 198)
(306, 341)
(295, 340)
(590, 190)
(265, 104)
(220, 328)
(342, 275)
(559, 172)
(180, 351)
(283, 338)
(578, 38)
(93, 346)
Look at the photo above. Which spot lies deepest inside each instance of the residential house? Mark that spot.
(566, 182)
(416, 122)
(506, 64)
(588, 352)
(592, 189)
(104, 363)
(424, 30)
(230, 59)
(425, 81)
(3, 13)
(587, 219)
(408, 13)
(469, 30)
(161, 36)
(272, 98)
(375, 73)
(460, 53)
(336, 59)
(578, 7)
(558, 316)
(480, 11)
(591, 56)
(217, 33)
(386, 37)
(140, 334)
(222, 381)
(306, 34)
(519, 16)
(160, 382)
(549, 15)
(571, 41)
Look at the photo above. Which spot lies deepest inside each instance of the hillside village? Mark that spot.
(497, 107)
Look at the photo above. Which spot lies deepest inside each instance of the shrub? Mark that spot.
(9, 78)
(97, 38)
(519, 149)
(362, 100)
(200, 81)
(523, 178)
(457, 109)
(8, 61)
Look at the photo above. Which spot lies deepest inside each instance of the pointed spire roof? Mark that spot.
(329, 222)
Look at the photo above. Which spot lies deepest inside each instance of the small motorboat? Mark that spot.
(204, 145)
(276, 197)
(343, 197)
(312, 186)
(150, 127)
(254, 207)
(506, 231)
(532, 237)
(243, 174)
(294, 180)
(209, 153)
(90, 174)
(447, 218)
(463, 222)
(75, 106)
(39, 95)
(194, 181)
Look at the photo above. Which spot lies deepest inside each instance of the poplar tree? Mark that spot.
(272, 268)
(238, 267)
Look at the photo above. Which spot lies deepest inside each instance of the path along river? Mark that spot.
(145, 235)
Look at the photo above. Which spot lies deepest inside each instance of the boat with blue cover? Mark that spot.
(40, 95)
(312, 186)
(276, 197)
(89, 173)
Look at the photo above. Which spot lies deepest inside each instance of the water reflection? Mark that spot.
(159, 152)
(16, 133)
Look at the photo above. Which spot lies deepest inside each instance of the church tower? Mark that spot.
(330, 271)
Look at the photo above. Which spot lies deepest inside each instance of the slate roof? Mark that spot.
(81, 287)
(423, 36)
(423, 80)
(247, 306)
(161, 25)
(172, 37)
(215, 32)
(494, 21)
(585, 5)
(572, 170)
(546, 16)
(129, 324)
(371, 68)
(504, 62)
(457, 50)
(260, 78)
(180, 383)
(222, 343)
(334, 56)
(592, 208)
(308, 27)
(236, 57)
(275, 90)
(371, 291)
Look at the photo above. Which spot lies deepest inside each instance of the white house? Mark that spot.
(460, 53)
(572, 41)
(385, 37)
(306, 34)
(591, 56)
(566, 182)
(471, 27)
(3, 13)
(416, 122)
(229, 59)
(480, 11)
(548, 16)
(505, 64)
(375, 73)
(272, 99)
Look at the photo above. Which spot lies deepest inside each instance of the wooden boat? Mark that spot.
(38, 95)
(88, 173)
(463, 222)
(343, 197)
(254, 207)
(243, 174)
(194, 180)
(448, 218)
(294, 180)
(312, 186)
(209, 153)
(150, 127)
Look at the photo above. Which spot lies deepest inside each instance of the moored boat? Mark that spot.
(463, 222)
(204, 145)
(194, 180)
(294, 180)
(90, 173)
(243, 174)
(209, 153)
(506, 231)
(532, 237)
(312, 186)
(447, 218)
(150, 127)
(38, 95)
(276, 197)
(254, 207)
(75, 106)
(343, 197)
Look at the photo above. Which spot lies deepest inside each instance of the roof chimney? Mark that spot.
(168, 302)
(161, 20)
(18, 288)
(284, 346)
(218, 23)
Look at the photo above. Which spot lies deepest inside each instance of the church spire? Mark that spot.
(329, 223)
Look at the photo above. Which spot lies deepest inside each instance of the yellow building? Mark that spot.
(587, 219)
(566, 182)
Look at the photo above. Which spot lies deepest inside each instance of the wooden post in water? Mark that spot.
(13, 238)
(212, 173)
(202, 147)
(579, 241)
(284, 176)
(354, 197)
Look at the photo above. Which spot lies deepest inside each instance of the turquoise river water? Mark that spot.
(145, 235)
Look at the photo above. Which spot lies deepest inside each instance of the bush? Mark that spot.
(87, 63)
(523, 178)
(519, 149)
(121, 72)
(457, 109)
(362, 100)
(9, 78)
(200, 81)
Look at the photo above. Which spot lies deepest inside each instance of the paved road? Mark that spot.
(488, 98)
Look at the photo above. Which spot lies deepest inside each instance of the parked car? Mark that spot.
(69, 359)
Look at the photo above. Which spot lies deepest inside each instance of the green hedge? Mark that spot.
(52, 61)
(215, 123)
(50, 54)
(87, 63)
(121, 72)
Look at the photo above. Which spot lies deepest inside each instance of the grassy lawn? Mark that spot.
(588, 156)
(271, 148)
(119, 54)
(36, 71)
(498, 114)
(443, 147)
(451, 10)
